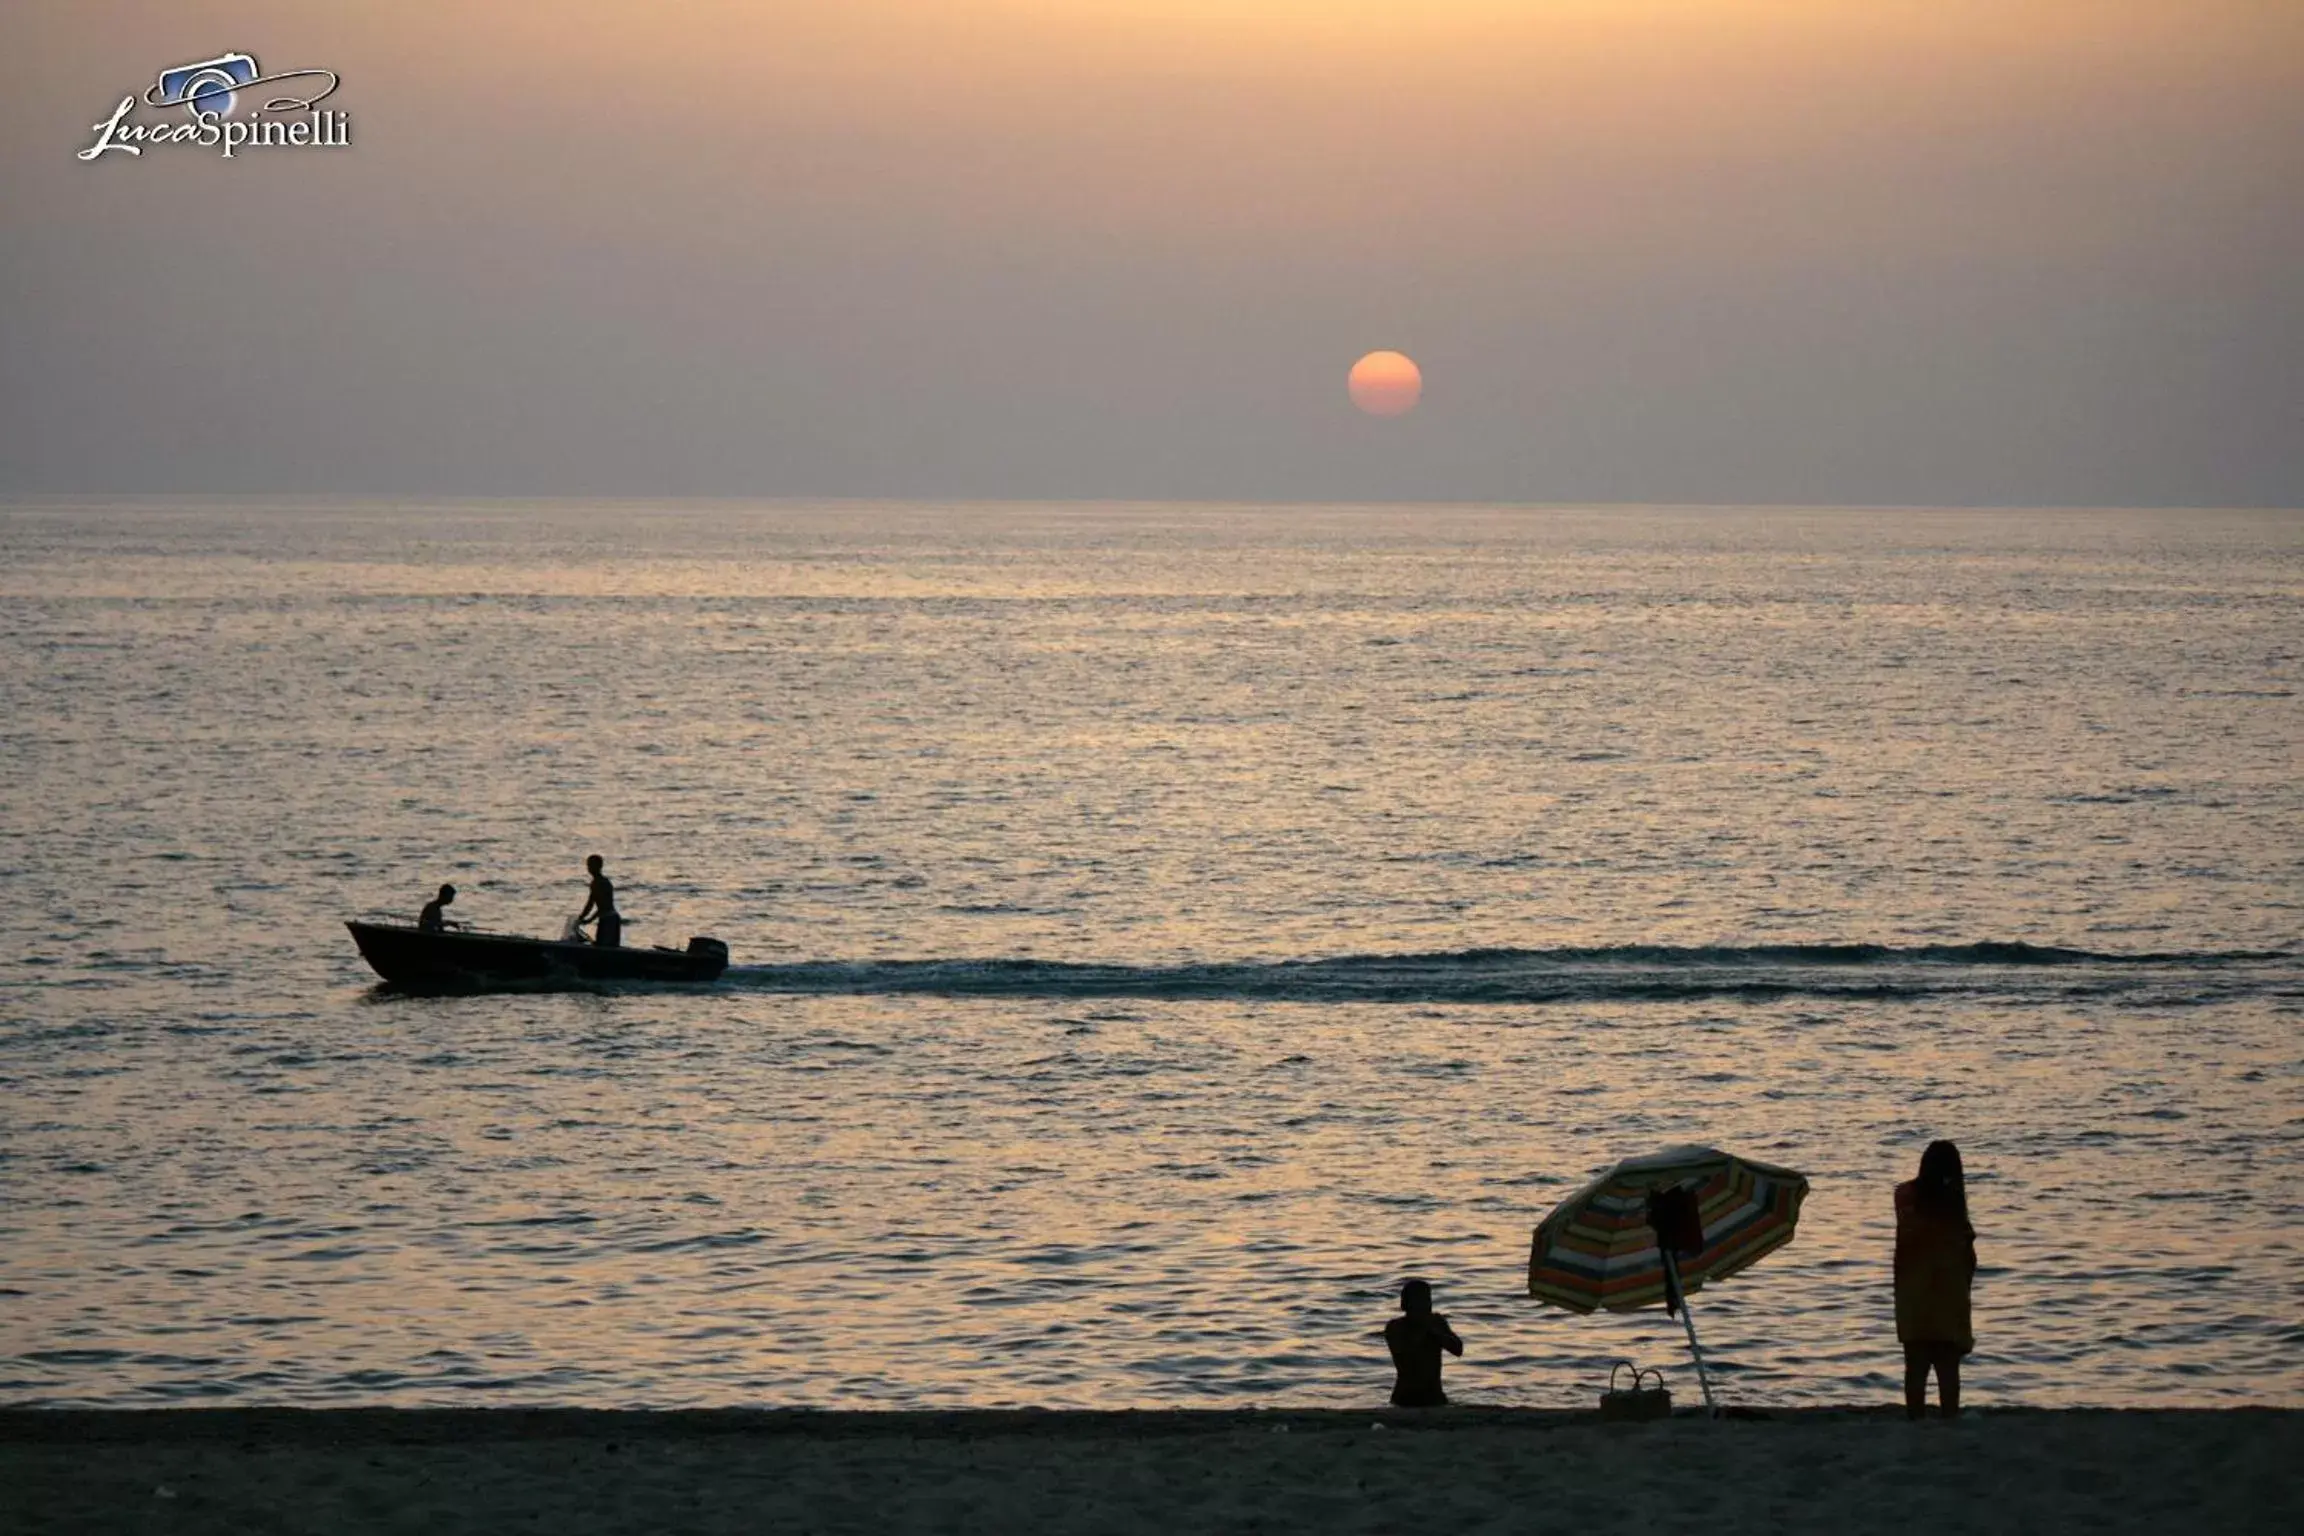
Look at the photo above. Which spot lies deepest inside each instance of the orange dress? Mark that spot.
(1935, 1262)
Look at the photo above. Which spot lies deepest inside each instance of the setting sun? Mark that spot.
(1386, 384)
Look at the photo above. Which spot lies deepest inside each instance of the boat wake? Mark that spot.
(1625, 972)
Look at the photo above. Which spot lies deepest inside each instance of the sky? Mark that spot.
(1712, 251)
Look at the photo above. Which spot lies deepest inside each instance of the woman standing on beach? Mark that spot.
(1935, 1265)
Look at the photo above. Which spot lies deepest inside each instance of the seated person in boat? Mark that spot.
(434, 919)
(601, 904)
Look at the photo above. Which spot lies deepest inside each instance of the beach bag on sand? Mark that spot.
(1621, 1404)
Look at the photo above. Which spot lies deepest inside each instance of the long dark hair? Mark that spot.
(1943, 1187)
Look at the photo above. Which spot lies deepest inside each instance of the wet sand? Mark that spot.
(571, 1472)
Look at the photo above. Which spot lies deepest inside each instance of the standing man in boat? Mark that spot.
(601, 904)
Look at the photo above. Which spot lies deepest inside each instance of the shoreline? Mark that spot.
(353, 1425)
(576, 1471)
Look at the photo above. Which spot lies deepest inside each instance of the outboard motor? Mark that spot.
(708, 949)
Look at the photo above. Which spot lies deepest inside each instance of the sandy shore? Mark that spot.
(570, 1472)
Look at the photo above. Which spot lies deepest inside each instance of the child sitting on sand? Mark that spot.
(1416, 1338)
(1935, 1265)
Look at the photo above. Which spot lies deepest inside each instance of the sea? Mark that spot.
(1158, 931)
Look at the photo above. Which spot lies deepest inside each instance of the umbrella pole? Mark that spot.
(1688, 1321)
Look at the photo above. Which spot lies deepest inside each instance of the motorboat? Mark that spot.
(473, 960)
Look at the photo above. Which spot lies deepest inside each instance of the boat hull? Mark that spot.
(417, 961)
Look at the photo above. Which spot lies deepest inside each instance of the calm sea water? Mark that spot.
(1158, 930)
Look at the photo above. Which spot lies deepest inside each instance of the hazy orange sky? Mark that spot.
(1684, 250)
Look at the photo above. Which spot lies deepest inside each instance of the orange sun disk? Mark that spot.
(1386, 384)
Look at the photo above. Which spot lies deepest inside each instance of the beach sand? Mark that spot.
(570, 1472)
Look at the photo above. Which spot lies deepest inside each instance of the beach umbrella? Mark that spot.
(1654, 1229)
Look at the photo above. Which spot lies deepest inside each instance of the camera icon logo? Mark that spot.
(208, 86)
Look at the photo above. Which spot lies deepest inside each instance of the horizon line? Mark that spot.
(790, 499)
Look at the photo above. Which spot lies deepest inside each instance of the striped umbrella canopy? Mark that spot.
(1596, 1250)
